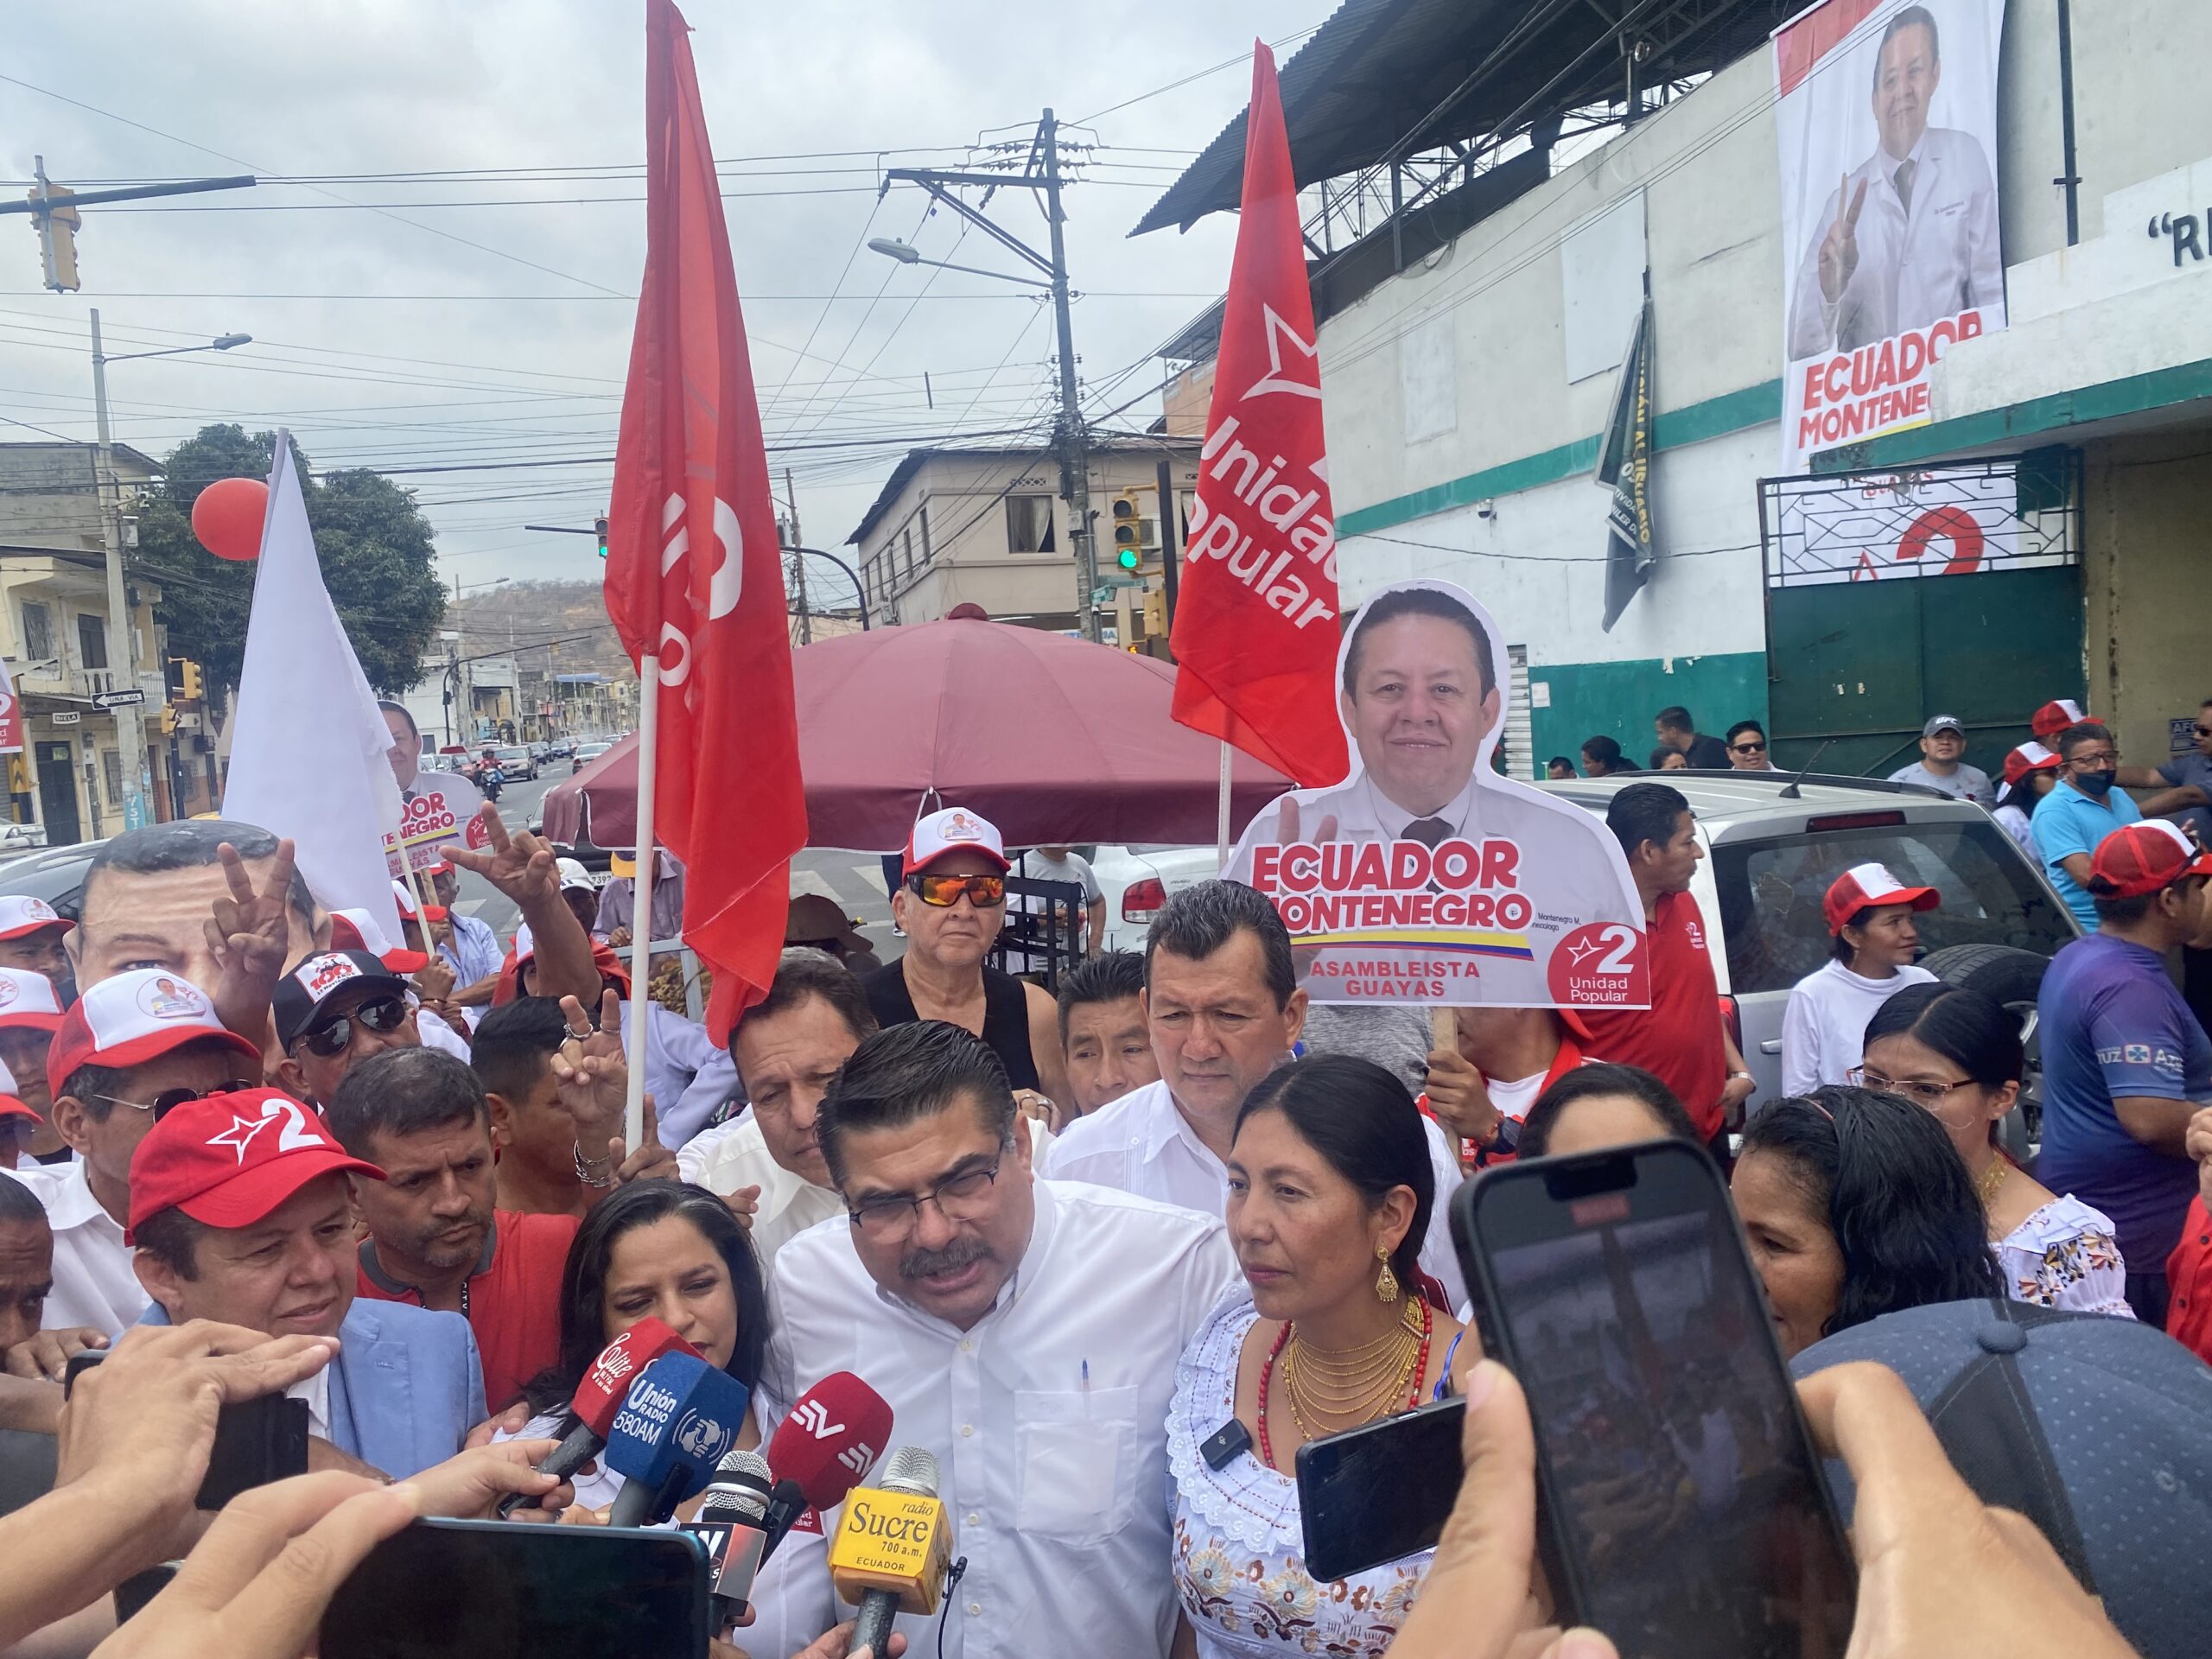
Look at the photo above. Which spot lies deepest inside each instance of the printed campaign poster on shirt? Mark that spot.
(433, 817)
(1887, 121)
(1425, 876)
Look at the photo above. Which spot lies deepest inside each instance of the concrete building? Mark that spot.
(54, 632)
(1477, 277)
(986, 527)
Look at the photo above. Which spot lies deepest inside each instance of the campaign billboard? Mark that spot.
(1425, 876)
(1886, 119)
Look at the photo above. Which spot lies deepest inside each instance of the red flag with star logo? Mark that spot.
(1256, 623)
(694, 573)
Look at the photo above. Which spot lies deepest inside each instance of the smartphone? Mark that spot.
(255, 1441)
(1379, 1492)
(1682, 1510)
(492, 1589)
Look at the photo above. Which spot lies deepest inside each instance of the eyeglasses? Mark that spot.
(169, 1099)
(331, 1038)
(1930, 1095)
(2093, 761)
(943, 892)
(895, 1217)
(2204, 731)
(1747, 748)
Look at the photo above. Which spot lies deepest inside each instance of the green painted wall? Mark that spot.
(1617, 700)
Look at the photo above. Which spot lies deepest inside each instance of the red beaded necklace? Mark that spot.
(1282, 1337)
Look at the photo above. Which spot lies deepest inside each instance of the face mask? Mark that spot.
(2098, 784)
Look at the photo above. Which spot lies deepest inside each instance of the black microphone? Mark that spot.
(732, 1523)
(786, 1503)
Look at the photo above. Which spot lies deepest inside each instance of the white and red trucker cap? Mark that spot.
(20, 915)
(130, 1019)
(1870, 884)
(956, 830)
(28, 1001)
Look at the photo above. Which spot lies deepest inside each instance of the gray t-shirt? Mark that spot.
(2183, 771)
(1967, 784)
(1396, 1039)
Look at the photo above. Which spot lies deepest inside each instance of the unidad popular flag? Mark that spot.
(693, 571)
(1256, 623)
(308, 745)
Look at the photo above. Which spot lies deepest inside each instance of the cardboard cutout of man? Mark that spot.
(1501, 873)
(1910, 235)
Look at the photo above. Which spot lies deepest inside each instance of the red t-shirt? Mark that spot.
(513, 1298)
(2189, 1283)
(1678, 1037)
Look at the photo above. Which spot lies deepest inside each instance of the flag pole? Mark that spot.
(641, 909)
(1221, 814)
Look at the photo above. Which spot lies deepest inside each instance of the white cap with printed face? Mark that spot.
(956, 830)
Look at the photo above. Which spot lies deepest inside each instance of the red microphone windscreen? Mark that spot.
(600, 1395)
(832, 1438)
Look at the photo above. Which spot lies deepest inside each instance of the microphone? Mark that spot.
(892, 1548)
(825, 1448)
(679, 1420)
(729, 1524)
(599, 1396)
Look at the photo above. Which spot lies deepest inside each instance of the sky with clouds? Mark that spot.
(442, 281)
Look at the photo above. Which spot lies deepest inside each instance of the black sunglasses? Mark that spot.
(169, 1099)
(331, 1037)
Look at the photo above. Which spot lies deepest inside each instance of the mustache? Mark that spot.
(924, 1264)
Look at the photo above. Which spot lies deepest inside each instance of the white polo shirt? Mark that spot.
(1141, 1143)
(1048, 1421)
(734, 1155)
(93, 1284)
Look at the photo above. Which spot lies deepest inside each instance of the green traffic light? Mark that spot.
(1127, 558)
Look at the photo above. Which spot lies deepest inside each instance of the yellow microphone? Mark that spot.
(892, 1548)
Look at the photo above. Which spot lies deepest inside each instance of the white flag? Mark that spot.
(308, 743)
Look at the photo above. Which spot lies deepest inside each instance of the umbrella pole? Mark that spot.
(641, 910)
(1221, 814)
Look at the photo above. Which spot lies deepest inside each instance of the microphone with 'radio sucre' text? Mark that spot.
(892, 1548)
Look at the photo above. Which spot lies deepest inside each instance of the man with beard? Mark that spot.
(435, 1237)
(1024, 1332)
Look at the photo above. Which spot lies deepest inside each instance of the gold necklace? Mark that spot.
(1348, 1384)
(1990, 1180)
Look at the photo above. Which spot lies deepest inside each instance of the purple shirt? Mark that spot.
(2111, 1026)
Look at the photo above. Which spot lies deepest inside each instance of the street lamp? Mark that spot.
(129, 736)
(891, 248)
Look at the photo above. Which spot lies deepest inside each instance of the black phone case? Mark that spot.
(1562, 1570)
(256, 1442)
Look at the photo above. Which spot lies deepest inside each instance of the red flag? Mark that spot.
(1255, 625)
(693, 569)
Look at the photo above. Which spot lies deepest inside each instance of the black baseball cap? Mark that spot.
(2097, 1429)
(302, 994)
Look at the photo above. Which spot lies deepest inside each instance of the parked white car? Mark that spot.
(1137, 881)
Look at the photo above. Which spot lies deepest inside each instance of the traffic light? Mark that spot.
(1155, 614)
(57, 238)
(600, 525)
(190, 686)
(1129, 532)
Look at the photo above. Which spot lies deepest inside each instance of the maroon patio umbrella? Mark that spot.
(1056, 740)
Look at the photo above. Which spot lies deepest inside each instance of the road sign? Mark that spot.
(67, 717)
(130, 699)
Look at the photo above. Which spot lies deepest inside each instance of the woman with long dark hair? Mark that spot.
(1603, 1104)
(1330, 1191)
(1957, 1055)
(1856, 1204)
(664, 1249)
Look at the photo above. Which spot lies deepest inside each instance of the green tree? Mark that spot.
(372, 542)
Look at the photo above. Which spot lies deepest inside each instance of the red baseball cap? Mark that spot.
(2056, 716)
(436, 912)
(229, 1160)
(132, 1018)
(28, 1001)
(1870, 884)
(2144, 856)
(2028, 757)
(956, 830)
(356, 929)
(20, 915)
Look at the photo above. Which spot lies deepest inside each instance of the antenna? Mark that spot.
(1790, 790)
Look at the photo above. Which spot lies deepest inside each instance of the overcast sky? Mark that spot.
(384, 343)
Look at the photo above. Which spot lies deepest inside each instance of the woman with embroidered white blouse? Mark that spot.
(1330, 1191)
(1869, 913)
(1958, 1053)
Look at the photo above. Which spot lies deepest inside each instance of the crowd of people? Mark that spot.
(1074, 1240)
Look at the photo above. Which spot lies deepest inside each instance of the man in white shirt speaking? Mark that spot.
(1224, 1012)
(1024, 1332)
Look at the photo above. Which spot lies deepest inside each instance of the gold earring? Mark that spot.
(1386, 1282)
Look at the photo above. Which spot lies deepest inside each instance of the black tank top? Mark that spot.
(1006, 1015)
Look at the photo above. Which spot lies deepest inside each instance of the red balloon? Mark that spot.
(227, 517)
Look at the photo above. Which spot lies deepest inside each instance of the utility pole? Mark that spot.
(798, 561)
(1074, 462)
(123, 642)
